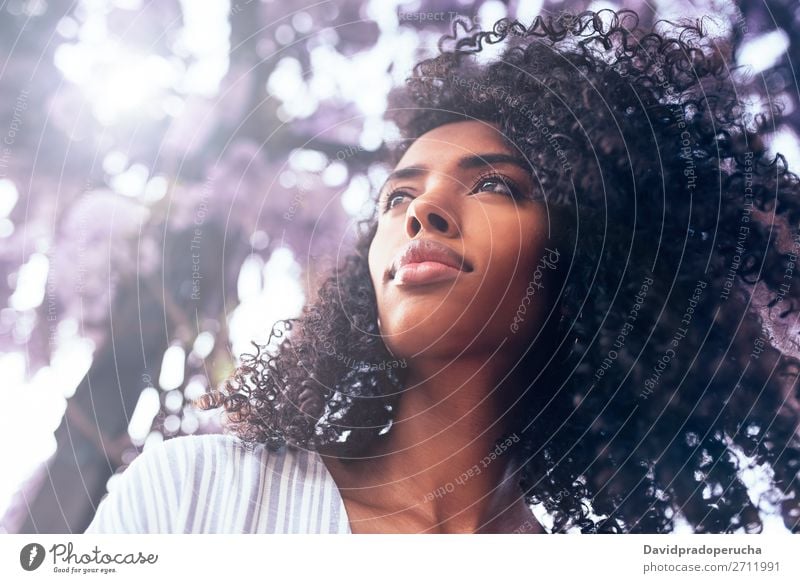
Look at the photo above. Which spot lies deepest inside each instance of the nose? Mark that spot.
(424, 212)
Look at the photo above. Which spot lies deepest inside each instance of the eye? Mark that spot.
(392, 197)
(505, 183)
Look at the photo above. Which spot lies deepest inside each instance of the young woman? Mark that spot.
(568, 296)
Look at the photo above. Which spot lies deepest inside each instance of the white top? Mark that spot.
(213, 483)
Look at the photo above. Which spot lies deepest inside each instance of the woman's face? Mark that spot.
(461, 195)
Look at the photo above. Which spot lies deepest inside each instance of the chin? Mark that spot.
(429, 334)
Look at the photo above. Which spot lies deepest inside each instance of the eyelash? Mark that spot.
(490, 176)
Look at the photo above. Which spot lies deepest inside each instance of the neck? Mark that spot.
(441, 461)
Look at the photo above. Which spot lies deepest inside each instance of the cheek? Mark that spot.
(517, 279)
(375, 262)
(372, 268)
(513, 250)
(378, 259)
(504, 281)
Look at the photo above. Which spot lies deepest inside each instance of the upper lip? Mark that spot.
(421, 250)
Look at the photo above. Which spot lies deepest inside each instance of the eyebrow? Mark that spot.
(465, 163)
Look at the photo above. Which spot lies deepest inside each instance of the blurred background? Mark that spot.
(174, 177)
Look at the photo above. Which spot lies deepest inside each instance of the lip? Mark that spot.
(427, 261)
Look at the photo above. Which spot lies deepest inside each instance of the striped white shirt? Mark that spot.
(212, 483)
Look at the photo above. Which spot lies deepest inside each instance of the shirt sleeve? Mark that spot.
(143, 499)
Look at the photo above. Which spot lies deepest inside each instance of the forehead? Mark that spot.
(454, 140)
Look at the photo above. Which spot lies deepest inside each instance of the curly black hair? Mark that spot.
(666, 380)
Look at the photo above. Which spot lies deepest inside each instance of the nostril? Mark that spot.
(437, 221)
(415, 226)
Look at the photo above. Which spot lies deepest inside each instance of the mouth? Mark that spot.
(425, 261)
